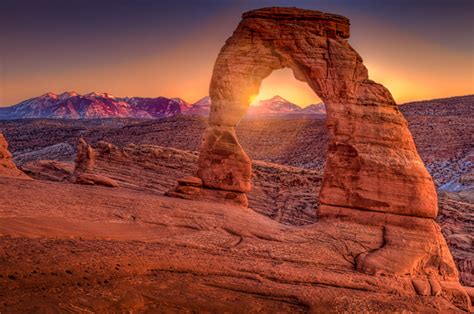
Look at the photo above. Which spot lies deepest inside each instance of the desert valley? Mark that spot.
(153, 204)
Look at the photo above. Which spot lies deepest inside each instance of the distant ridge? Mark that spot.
(71, 105)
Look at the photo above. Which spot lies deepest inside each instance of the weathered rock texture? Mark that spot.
(85, 248)
(50, 170)
(408, 251)
(372, 161)
(85, 165)
(373, 174)
(7, 166)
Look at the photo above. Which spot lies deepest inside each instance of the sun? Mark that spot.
(252, 98)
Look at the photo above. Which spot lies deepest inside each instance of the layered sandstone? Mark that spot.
(50, 170)
(372, 162)
(405, 253)
(85, 165)
(285, 194)
(7, 166)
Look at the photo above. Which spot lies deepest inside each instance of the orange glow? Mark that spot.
(412, 68)
(283, 83)
(252, 99)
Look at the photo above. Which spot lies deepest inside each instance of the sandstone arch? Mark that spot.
(372, 162)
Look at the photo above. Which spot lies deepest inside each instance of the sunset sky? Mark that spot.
(418, 49)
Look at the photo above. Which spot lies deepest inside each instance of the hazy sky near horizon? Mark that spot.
(418, 49)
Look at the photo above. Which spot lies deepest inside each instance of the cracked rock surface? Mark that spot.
(70, 247)
(128, 248)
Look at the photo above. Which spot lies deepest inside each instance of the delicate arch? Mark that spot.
(372, 162)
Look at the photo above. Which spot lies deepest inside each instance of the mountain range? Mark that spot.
(71, 105)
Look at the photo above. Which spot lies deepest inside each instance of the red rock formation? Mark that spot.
(84, 168)
(373, 173)
(50, 170)
(128, 250)
(409, 251)
(7, 166)
(372, 161)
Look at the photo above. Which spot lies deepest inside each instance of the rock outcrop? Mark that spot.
(7, 166)
(84, 168)
(372, 162)
(457, 222)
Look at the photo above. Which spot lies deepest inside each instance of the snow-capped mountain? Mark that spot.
(202, 107)
(315, 109)
(71, 105)
(158, 107)
(274, 106)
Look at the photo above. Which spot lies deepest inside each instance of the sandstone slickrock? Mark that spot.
(372, 162)
(50, 170)
(405, 250)
(127, 250)
(7, 166)
(285, 194)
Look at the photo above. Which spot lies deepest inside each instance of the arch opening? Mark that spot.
(282, 82)
(277, 131)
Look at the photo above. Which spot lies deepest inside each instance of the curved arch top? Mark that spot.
(372, 162)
